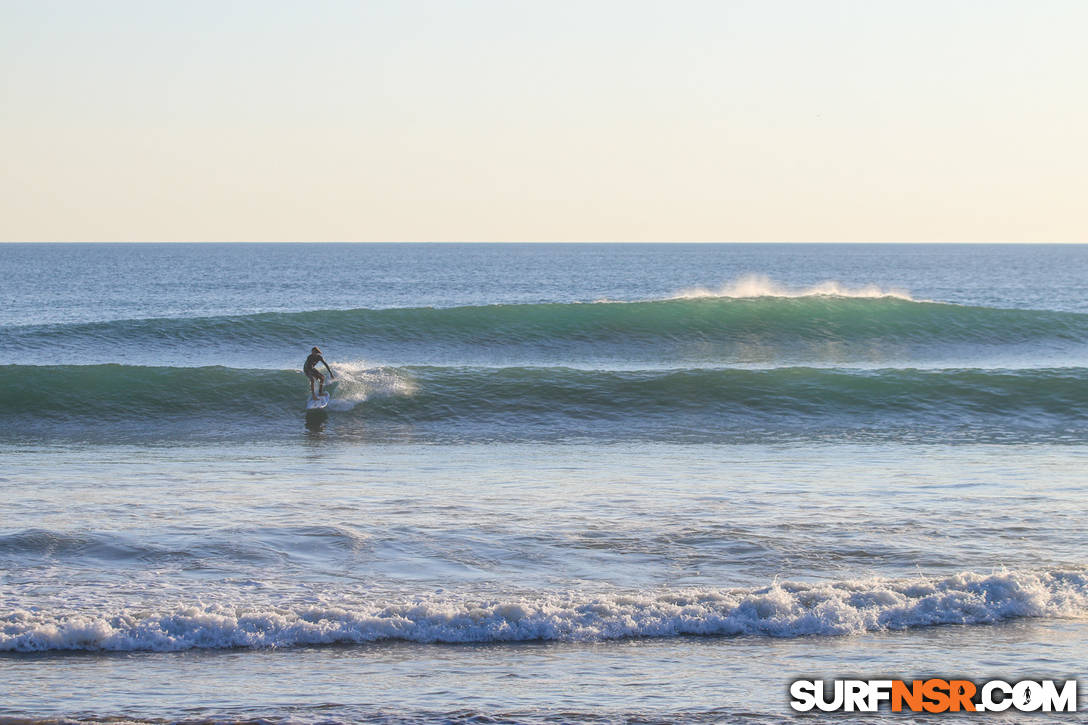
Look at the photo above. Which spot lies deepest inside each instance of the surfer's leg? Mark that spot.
(321, 387)
(312, 395)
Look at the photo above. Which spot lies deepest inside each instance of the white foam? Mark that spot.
(759, 285)
(779, 610)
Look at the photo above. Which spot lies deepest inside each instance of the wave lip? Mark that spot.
(779, 610)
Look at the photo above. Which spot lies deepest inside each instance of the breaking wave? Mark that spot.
(724, 327)
(782, 609)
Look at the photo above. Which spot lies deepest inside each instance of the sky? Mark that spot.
(543, 120)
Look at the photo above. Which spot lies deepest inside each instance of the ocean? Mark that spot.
(556, 483)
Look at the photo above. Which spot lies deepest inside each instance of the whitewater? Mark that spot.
(781, 610)
(556, 483)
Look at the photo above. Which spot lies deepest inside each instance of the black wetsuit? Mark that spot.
(310, 368)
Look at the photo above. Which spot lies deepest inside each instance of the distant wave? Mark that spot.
(522, 402)
(700, 328)
(782, 609)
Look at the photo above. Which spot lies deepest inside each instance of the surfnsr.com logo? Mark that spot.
(934, 695)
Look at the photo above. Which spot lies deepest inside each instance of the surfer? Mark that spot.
(310, 368)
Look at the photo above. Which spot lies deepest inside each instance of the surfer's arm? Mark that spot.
(327, 368)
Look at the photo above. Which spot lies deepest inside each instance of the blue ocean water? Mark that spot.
(556, 482)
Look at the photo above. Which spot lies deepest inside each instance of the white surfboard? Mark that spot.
(321, 402)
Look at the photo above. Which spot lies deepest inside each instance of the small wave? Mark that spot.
(780, 610)
(267, 544)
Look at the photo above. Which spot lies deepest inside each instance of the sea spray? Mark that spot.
(760, 285)
(358, 381)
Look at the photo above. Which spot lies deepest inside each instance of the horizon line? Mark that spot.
(514, 241)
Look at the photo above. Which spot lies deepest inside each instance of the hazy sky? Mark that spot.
(564, 120)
